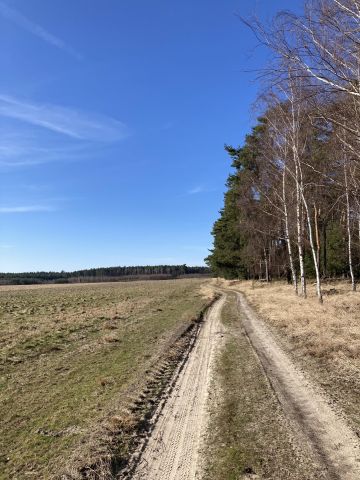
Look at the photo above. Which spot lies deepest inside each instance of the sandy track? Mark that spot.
(172, 451)
(334, 445)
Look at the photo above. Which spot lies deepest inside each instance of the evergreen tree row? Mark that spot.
(249, 236)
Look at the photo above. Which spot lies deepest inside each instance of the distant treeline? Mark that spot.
(149, 272)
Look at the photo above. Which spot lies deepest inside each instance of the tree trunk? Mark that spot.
(287, 236)
(317, 236)
(299, 186)
(313, 249)
(353, 284)
(266, 266)
(324, 249)
(299, 238)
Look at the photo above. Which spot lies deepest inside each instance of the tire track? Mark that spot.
(336, 448)
(172, 451)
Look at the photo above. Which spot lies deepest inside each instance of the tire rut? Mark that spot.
(334, 445)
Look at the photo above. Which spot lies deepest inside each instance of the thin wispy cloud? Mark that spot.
(28, 209)
(195, 190)
(67, 121)
(23, 22)
(17, 149)
(200, 189)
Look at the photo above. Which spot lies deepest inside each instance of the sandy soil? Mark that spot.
(172, 450)
(334, 445)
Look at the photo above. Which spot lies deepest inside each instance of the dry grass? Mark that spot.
(325, 339)
(329, 330)
(73, 358)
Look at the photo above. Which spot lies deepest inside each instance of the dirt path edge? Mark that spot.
(172, 448)
(146, 430)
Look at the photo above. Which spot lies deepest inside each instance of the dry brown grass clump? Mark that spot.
(328, 330)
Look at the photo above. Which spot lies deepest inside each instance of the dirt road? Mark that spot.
(172, 452)
(334, 445)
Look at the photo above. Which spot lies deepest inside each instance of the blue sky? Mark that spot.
(113, 118)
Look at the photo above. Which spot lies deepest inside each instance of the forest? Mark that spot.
(292, 205)
(149, 272)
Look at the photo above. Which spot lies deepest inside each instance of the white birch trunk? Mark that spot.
(299, 234)
(353, 284)
(298, 182)
(287, 234)
(313, 248)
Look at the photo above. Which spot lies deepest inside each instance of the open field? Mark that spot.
(75, 360)
(324, 340)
